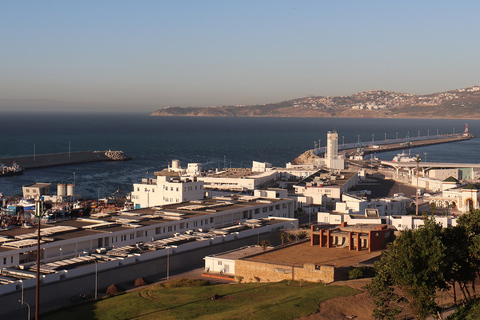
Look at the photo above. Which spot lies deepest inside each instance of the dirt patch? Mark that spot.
(358, 307)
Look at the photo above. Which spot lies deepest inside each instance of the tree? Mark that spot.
(410, 272)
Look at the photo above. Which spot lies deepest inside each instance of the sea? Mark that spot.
(216, 142)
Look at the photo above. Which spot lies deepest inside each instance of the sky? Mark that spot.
(140, 56)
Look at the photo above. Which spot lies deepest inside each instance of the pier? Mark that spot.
(352, 149)
(65, 158)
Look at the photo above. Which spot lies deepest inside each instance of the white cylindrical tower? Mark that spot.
(332, 145)
(70, 188)
(60, 190)
(175, 164)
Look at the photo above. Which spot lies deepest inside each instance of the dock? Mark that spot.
(65, 158)
(392, 145)
(352, 149)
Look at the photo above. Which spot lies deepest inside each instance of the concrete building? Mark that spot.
(371, 237)
(332, 159)
(325, 186)
(166, 190)
(36, 190)
(71, 237)
(224, 263)
(463, 198)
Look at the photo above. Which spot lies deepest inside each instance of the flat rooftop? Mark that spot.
(303, 252)
(338, 181)
(130, 220)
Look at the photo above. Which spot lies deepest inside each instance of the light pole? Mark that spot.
(425, 153)
(96, 278)
(39, 214)
(68, 149)
(396, 135)
(74, 187)
(343, 140)
(34, 152)
(385, 137)
(23, 302)
(417, 160)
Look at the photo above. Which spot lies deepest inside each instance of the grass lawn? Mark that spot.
(280, 300)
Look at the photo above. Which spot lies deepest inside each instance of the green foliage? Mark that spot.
(361, 272)
(411, 271)
(183, 282)
(469, 312)
(355, 273)
(239, 279)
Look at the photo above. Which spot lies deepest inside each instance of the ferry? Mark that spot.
(402, 157)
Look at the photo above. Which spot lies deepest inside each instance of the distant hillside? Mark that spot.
(459, 104)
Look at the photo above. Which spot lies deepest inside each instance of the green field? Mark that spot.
(280, 300)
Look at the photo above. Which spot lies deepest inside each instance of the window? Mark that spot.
(176, 189)
(257, 211)
(158, 230)
(4, 260)
(264, 209)
(277, 207)
(211, 220)
(132, 236)
(219, 263)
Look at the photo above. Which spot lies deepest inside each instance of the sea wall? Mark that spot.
(56, 159)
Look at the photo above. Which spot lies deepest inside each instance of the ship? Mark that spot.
(12, 170)
(402, 157)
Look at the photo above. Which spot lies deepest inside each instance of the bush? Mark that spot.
(302, 234)
(186, 283)
(355, 273)
(361, 272)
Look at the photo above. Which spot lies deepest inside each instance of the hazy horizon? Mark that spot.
(122, 56)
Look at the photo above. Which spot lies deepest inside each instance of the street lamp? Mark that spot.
(38, 214)
(417, 160)
(425, 153)
(23, 302)
(96, 278)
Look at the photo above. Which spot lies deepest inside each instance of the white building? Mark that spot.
(166, 190)
(324, 185)
(333, 160)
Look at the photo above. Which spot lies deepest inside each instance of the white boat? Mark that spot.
(402, 157)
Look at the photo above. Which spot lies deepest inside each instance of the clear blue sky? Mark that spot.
(144, 55)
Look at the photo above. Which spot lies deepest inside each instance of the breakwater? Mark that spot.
(65, 158)
(382, 146)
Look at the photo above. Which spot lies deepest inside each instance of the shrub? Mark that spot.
(355, 273)
(186, 283)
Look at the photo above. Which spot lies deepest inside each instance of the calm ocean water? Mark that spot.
(152, 142)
